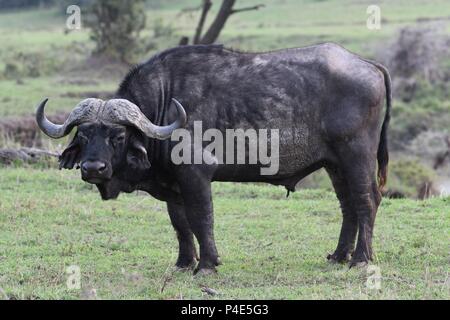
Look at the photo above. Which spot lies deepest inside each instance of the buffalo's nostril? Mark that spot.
(84, 167)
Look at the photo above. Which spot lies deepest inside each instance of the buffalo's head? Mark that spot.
(109, 142)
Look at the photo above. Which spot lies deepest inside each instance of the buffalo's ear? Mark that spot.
(137, 156)
(71, 155)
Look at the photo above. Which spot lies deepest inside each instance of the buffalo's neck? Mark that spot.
(152, 93)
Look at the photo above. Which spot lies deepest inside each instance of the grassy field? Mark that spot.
(271, 247)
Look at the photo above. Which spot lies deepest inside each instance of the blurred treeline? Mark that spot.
(25, 4)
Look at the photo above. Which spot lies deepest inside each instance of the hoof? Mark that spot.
(338, 258)
(204, 272)
(185, 266)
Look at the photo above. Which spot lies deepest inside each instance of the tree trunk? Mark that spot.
(219, 22)
(226, 10)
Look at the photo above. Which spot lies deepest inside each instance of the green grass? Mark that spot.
(271, 247)
(23, 99)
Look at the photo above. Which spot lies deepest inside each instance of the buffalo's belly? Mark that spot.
(298, 149)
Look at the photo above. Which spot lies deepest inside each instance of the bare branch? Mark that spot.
(198, 32)
(248, 8)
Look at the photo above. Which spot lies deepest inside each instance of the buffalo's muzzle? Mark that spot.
(94, 171)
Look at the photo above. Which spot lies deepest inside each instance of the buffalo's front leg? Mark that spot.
(187, 254)
(196, 193)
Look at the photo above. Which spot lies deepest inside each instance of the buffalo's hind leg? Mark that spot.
(349, 227)
(366, 201)
(187, 254)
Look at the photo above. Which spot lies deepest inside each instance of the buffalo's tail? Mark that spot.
(383, 153)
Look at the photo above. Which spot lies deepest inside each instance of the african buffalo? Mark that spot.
(326, 102)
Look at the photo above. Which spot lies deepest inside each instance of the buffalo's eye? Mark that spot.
(118, 139)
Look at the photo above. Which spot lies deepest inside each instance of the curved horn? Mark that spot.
(126, 112)
(84, 111)
(179, 123)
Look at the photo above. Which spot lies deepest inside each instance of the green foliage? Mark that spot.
(30, 65)
(115, 27)
(429, 109)
(408, 175)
